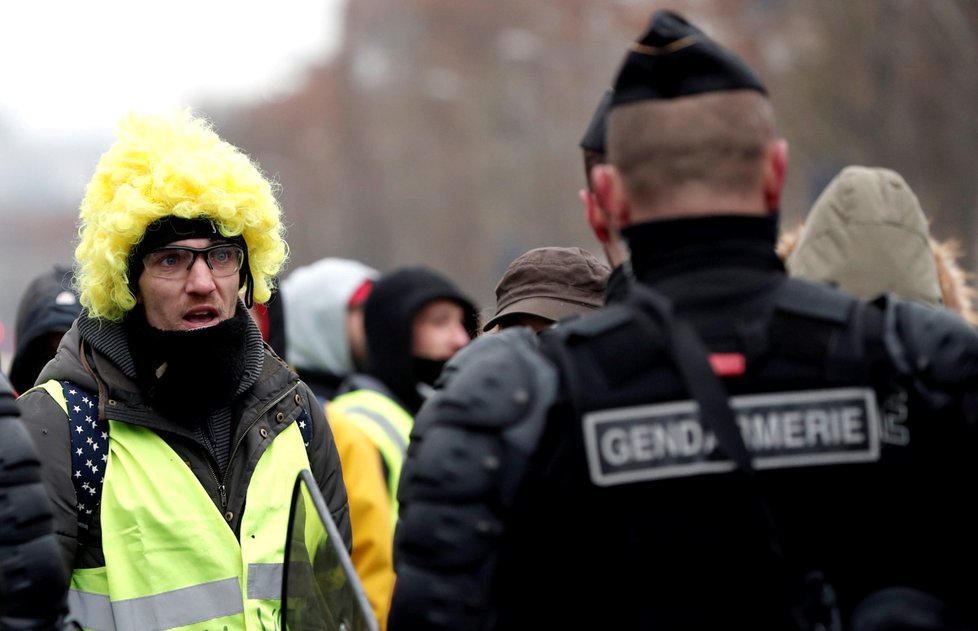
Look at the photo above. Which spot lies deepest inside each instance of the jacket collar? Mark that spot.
(673, 246)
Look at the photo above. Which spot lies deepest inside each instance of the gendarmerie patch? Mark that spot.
(780, 430)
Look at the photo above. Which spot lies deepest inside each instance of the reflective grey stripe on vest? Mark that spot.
(161, 611)
(265, 581)
(92, 611)
(380, 420)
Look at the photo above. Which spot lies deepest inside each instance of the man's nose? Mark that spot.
(199, 278)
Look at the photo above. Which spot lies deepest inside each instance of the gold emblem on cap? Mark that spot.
(679, 44)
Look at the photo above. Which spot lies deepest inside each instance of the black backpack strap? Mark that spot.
(89, 450)
(816, 605)
(691, 358)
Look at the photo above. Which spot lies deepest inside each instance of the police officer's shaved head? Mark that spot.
(686, 111)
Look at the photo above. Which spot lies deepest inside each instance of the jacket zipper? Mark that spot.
(222, 484)
(221, 488)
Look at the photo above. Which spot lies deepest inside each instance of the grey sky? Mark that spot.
(74, 66)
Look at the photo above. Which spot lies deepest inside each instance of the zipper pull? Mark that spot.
(224, 496)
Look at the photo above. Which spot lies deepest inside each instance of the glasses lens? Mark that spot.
(225, 260)
(169, 263)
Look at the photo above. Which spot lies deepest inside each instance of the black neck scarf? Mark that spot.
(188, 375)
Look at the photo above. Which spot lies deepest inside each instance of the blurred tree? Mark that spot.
(446, 132)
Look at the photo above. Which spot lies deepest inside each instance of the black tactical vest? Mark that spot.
(852, 489)
(613, 505)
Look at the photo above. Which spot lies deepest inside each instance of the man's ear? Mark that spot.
(609, 193)
(595, 216)
(775, 170)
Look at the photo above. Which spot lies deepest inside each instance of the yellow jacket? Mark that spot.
(370, 511)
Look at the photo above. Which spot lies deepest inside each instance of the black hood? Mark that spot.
(49, 305)
(388, 318)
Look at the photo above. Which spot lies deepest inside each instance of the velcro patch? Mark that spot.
(780, 430)
(728, 364)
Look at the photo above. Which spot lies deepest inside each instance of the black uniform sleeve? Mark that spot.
(469, 449)
(934, 348)
(47, 425)
(33, 583)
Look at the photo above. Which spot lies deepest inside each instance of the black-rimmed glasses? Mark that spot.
(175, 261)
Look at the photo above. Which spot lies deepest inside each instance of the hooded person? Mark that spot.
(868, 235)
(415, 320)
(46, 311)
(172, 435)
(322, 306)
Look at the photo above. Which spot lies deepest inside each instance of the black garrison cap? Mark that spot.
(675, 59)
(593, 139)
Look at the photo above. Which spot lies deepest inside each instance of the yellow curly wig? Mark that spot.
(161, 165)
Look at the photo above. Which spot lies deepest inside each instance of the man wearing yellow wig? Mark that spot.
(200, 430)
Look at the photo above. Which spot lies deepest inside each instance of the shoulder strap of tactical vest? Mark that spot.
(809, 333)
(689, 354)
(828, 329)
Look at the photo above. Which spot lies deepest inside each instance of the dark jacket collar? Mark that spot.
(668, 247)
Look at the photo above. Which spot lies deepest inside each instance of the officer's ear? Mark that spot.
(595, 215)
(775, 168)
(610, 194)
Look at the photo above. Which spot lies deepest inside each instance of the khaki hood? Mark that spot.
(868, 235)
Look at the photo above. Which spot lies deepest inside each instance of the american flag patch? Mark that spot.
(89, 448)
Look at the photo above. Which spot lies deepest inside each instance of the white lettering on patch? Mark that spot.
(784, 429)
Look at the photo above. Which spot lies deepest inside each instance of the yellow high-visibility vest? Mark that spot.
(387, 424)
(171, 558)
